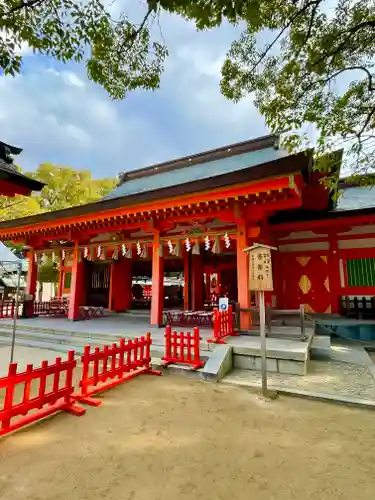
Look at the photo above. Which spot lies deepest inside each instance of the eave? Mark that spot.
(233, 201)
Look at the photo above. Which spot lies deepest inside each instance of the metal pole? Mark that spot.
(15, 313)
(263, 347)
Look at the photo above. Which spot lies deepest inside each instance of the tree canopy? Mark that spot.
(317, 70)
(305, 62)
(65, 187)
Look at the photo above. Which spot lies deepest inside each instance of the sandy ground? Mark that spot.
(170, 437)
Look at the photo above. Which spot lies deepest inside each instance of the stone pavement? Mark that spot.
(24, 356)
(326, 377)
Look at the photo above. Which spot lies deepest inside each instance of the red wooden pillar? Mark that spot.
(77, 284)
(334, 274)
(277, 271)
(120, 287)
(197, 282)
(31, 282)
(243, 276)
(157, 299)
(186, 280)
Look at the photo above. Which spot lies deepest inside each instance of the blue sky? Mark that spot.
(56, 114)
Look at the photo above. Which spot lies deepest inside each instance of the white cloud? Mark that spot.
(56, 114)
(72, 79)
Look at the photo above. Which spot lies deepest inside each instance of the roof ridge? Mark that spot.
(266, 141)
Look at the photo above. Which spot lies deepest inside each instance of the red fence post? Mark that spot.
(46, 402)
(182, 348)
(127, 360)
(222, 325)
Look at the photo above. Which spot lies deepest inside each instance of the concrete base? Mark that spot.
(287, 366)
(283, 355)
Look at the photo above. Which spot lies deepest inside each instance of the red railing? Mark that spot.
(54, 307)
(182, 348)
(47, 400)
(7, 308)
(105, 368)
(223, 326)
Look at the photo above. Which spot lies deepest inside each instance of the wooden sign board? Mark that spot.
(260, 271)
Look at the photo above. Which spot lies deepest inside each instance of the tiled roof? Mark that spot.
(197, 172)
(356, 198)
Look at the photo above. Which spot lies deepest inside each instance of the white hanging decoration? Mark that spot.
(53, 257)
(129, 253)
(216, 245)
(207, 243)
(144, 253)
(196, 249)
(35, 258)
(99, 251)
(170, 247)
(63, 254)
(177, 249)
(85, 252)
(139, 248)
(226, 240)
(43, 258)
(123, 250)
(187, 244)
(115, 254)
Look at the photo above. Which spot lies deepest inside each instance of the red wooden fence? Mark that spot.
(182, 348)
(7, 308)
(223, 325)
(105, 368)
(53, 307)
(46, 402)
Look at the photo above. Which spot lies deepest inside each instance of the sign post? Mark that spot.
(260, 280)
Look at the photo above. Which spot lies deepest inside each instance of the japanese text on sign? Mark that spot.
(260, 269)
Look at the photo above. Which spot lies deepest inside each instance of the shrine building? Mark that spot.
(12, 182)
(172, 235)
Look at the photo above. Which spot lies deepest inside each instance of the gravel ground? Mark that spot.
(327, 377)
(171, 437)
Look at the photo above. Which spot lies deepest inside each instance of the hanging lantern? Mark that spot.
(216, 246)
(123, 249)
(99, 252)
(139, 249)
(196, 248)
(170, 247)
(187, 244)
(177, 249)
(63, 254)
(226, 240)
(207, 243)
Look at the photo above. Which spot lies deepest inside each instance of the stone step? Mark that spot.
(60, 342)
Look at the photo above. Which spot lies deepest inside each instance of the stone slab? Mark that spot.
(253, 363)
(291, 367)
(218, 364)
(286, 366)
(276, 348)
(331, 398)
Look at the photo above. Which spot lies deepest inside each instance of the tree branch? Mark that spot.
(288, 25)
(24, 4)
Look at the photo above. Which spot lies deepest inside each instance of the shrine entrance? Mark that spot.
(98, 274)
